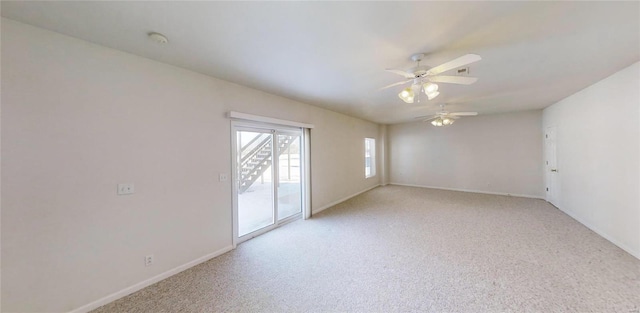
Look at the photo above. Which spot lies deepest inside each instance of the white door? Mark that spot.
(551, 165)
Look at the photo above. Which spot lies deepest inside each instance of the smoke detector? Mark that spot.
(157, 37)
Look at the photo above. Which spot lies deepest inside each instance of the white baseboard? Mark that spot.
(471, 190)
(322, 208)
(131, 289)
(604, 235)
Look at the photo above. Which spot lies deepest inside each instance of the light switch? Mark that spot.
(223, 177)
(125, 189)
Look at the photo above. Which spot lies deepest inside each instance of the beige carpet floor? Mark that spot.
(404, 249)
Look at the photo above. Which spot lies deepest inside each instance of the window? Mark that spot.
(369, 157)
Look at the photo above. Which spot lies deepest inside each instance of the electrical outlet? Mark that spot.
(125, 189)
(148, 260)
(223, 177)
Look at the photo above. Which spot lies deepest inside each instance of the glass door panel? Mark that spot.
(255, 180)
(289, 175)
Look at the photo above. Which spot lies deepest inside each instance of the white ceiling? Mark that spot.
(333, 54)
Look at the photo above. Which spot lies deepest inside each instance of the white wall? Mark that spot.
(79, 118)
(598, 160)
(499, 153)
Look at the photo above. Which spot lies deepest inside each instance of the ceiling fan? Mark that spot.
(444, 118)
(425, 77)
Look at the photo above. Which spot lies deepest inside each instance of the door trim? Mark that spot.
(268, 120)
(551, 196)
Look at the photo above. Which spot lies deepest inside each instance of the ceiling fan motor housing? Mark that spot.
(419, 71)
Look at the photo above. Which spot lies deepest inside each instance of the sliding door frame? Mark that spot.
(275, 130)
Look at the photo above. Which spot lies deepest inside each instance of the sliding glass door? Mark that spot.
(255, 183)
(289, 175)
(268, 189)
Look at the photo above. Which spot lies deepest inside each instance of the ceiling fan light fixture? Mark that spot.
(432, 95)
(442, 121)
(430, 88)
(407, 95)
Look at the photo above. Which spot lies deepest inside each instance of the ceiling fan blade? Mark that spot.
(396, 84)
(461, 61)
(464, 113)
(401, 73)
(425, 117)
(453, 79)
